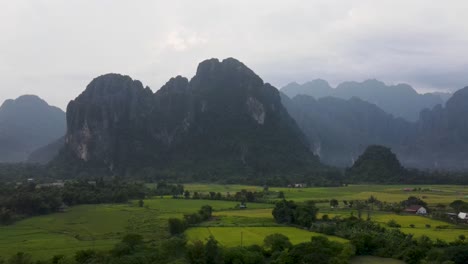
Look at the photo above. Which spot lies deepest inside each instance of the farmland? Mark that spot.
(231, 237)
(434, 194)
(97, 226)
(102, 226)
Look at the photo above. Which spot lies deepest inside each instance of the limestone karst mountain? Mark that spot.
(224, 121)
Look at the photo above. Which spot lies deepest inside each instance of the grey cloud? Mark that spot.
(54, 48)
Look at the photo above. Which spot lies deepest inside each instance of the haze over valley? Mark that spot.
(233, 132)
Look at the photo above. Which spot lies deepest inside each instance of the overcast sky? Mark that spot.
(54, 48)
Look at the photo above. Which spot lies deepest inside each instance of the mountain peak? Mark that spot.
(212, 72)
(213, 66)
(178, 84)
(111, 84)
(25, 100)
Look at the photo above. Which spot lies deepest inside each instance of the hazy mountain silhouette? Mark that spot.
(26, 124)
(340, 130)
(399, 100)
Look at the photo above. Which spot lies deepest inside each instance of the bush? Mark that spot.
(176, 226)
(393, 223)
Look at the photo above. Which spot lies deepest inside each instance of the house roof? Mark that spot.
(462, 215)
(413, 208)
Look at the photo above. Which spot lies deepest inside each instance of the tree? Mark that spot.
(306, 214)
(281, 195)
(333, 203)
(132, 240)
(196, 253)
(84, 256)
(412, 200)
(141, 203)
(283, 212)
(176, 226)
(459, 205)
(128, 245)
(187, 194)
(243, 255)
(21, 258)
(213, 253)
(206, 212)
(277, 242)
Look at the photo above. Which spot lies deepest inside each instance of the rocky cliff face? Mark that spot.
(224, 120)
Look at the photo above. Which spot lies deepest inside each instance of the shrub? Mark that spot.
(393, 223)
(176, 226)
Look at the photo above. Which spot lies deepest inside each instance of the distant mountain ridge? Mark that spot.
(340, 130)
(224, 121)
(26, 124)
(399, 100)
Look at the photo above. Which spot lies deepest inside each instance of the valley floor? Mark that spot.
(102, 226)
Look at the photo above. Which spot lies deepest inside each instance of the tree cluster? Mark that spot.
(370, 238)
(29, 199)
(288, 212)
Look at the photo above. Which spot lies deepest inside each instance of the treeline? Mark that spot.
(407, 176)
(177, 191)
(242, 196)
(11, 172)
(29, 199)
(276, 249)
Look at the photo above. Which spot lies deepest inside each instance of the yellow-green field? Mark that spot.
(443, 194)
(231, 237)
(450, 232)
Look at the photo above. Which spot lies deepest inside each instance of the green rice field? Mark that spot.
(232, 236)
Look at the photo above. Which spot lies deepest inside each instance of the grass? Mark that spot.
(82, 227)
(231, 237)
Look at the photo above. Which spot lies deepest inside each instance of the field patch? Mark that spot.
(432, 194)
(100, 226)
(446, 231)
(231, 237)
